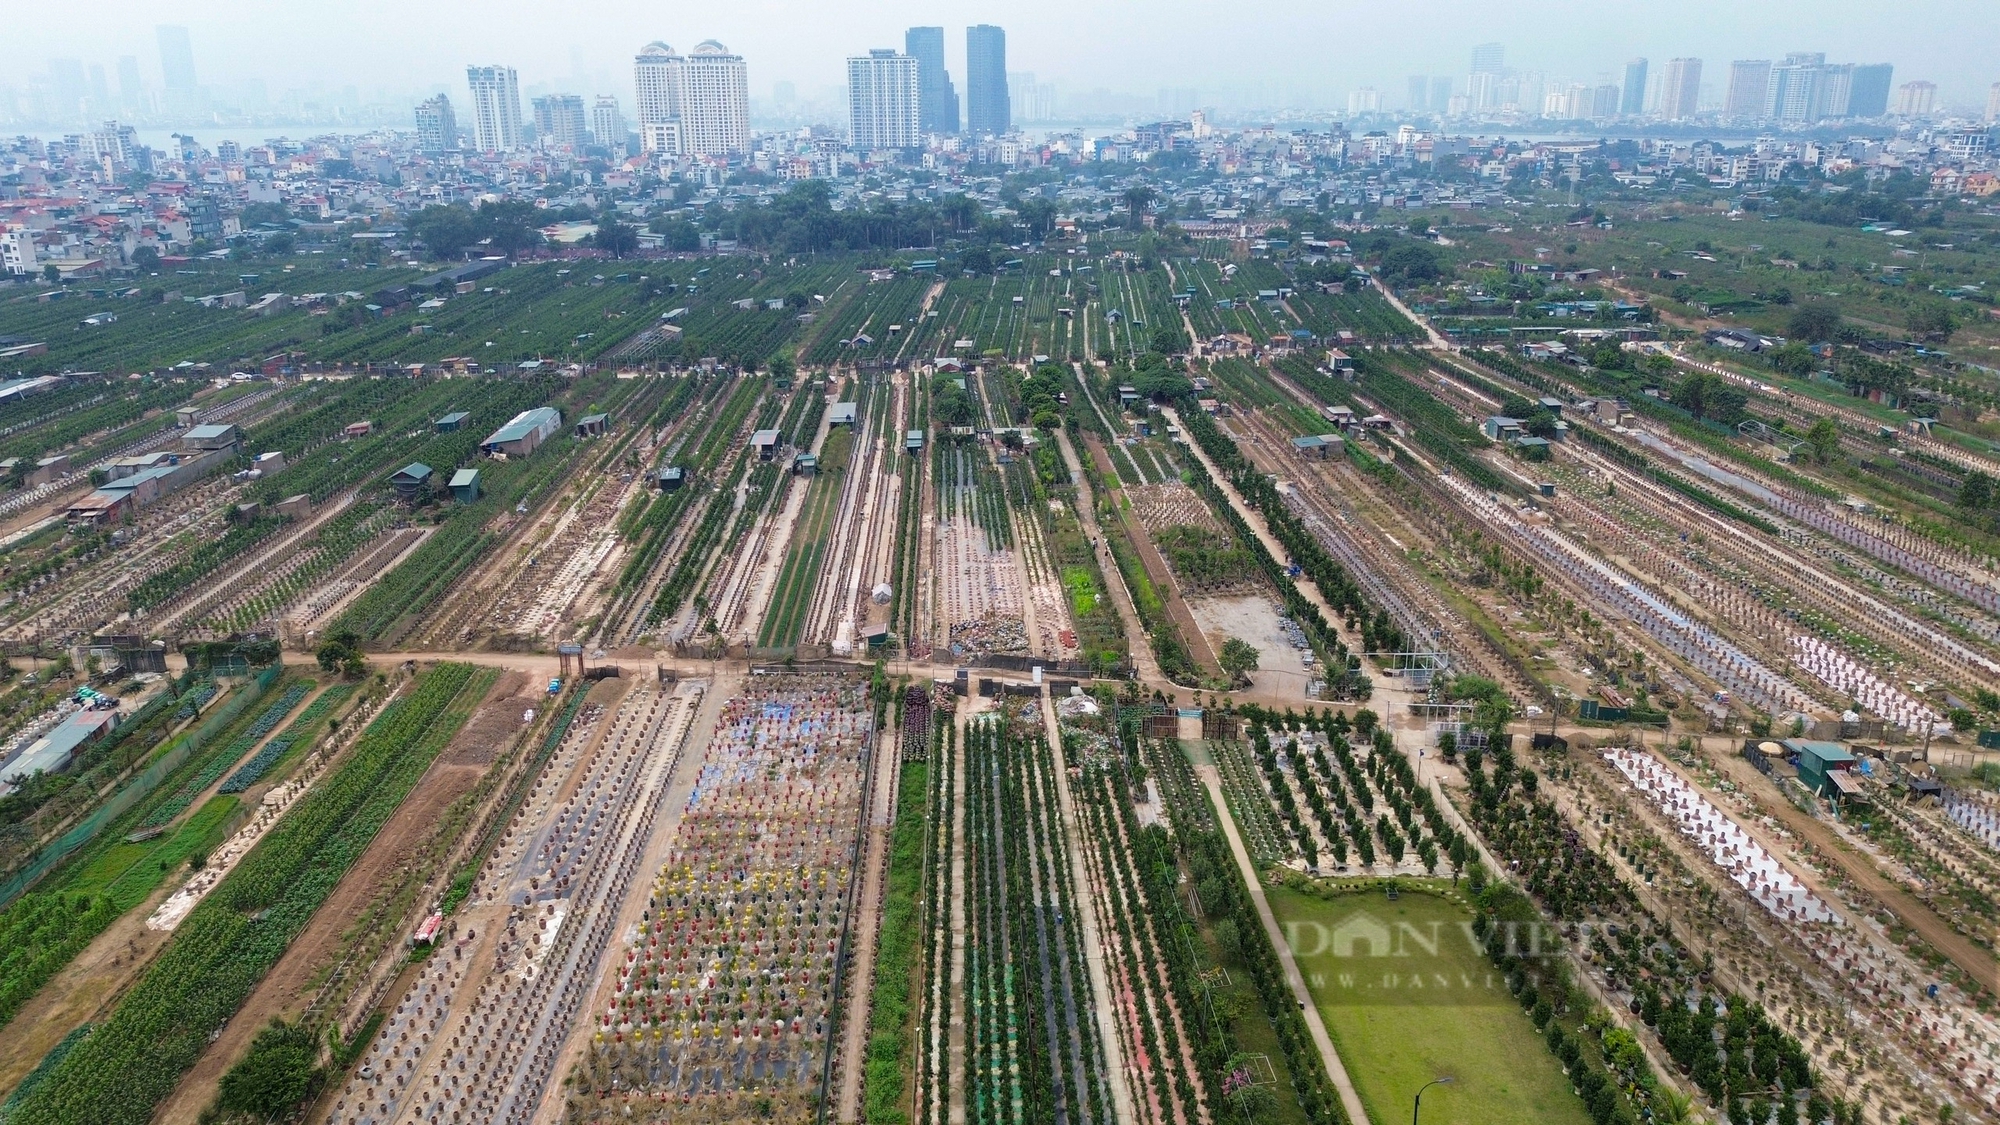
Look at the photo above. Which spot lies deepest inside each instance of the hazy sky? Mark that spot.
(1322, 46)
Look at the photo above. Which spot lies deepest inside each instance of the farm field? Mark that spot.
(783, 709)
(1420, 1003)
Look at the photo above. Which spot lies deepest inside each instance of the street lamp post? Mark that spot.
(1418, 1105)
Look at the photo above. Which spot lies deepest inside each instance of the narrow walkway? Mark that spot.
(1102, 1002)
(1335, 1069)
(853, 1058)
(1437, 340)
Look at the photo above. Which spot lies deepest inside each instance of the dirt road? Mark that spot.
(381, 870)
(1860, 870)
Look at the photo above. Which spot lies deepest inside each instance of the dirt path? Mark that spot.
(1335, 1069)
(867, 920)
(1114, 579)
(293, 982)
(1437, 341)
(1102, 1002)
(85, 990)
(1857, 867)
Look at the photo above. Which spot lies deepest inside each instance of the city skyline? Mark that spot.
(232, 48)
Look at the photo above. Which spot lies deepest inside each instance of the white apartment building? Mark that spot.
(715, 102)
(1915, 99)
(704, 95)
(607, 123)
(656, 78)
(17, 252)
(496, 108)
(882, 101)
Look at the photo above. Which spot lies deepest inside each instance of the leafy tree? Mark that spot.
(51, 273)
(1824, 437)
(679, 235)
(952, 405)
(509, 225)
(1226, 936)
(341, 652)
(146, 259)
(1137, 197)
(275, 1076)
(1169, 340)
(1492, 715)
(1930, 321)
(616, 238)
(261, 214)
(1238, 658)
(1707, 396)
(976, 260)
(1793, 359)
(1412, 262)
(1038, 215)
(1976, 494)
(444, 230)
(1813, 323)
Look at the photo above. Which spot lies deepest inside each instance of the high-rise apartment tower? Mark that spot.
(987, 110)
(176, 57)
(883, 101)
(1680, 89)
(937, 98)
(1633, 102)
(607, 124)
(1868, 92)
(559, 122)
(437, 125)
(496, 107)
(1748, 81)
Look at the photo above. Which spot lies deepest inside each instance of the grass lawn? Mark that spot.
(1402, 1014)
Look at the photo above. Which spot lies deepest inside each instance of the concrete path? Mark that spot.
(1335, 1070)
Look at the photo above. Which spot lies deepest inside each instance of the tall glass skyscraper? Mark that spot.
(1634, 102)
(176, 57)
(937, 98)
(987, 110)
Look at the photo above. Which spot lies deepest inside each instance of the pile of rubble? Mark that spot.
(990, 634)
